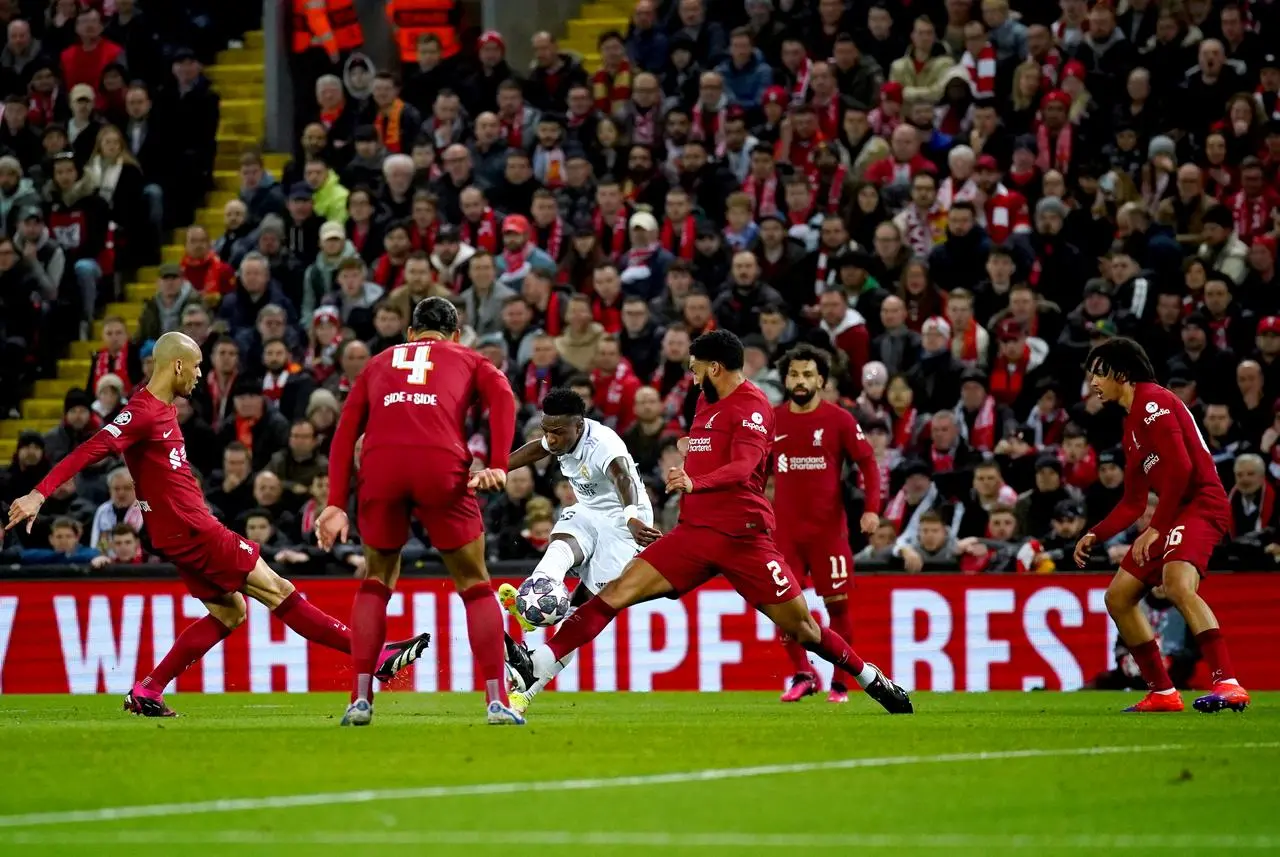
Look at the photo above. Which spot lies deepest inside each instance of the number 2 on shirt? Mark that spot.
(419, 365)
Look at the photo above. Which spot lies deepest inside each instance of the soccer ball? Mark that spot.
(542, 601)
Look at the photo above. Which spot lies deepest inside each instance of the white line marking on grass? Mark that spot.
(255, 804)
(644, 839)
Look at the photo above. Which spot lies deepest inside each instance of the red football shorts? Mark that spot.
(1191, 539)
(826, 559)
(213, 562)
(689, 556)
(395, 484)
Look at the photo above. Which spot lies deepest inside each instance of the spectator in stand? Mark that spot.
(298, 465)
(191, 105)
(121, 508)
(204, 269)
(64, 546)
(254, 289)
(83, 63)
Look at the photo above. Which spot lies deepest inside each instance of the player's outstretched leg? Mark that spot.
(795, 620)
(804, 679)
(840, 619)
(225, 615)
(562, 554)
(639, 581)
(485, 627)
(1122, 599)
(1181, 585)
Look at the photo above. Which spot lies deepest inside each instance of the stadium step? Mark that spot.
(241, 56)
(130, 324)
(7, 449)
(42, 409)
(127, 311)
(226, 180)
(255, 39)
(13, 428)
(139, 292)
(76, 369)
(606, 10)
(151, 274)
(242, 74)
(56, 388)
(591, 28)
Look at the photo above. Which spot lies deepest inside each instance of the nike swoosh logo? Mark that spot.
(782, 592)
(166, 434)
(835, 585)
(778, 437)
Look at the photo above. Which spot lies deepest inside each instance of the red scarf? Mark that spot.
(513, 132)
(1252, 216)
(829, 116)
(611, 89)
(535, 388)
(424, 240)
(699, 129)
(903, 427)
(309, 516)
(820, 273)
(388, 274)
(388, 127)
(555, 239)
(1006, 379)
(968, 344)
(484, 235)
(1082, 473)
(359, 235)
(219, 395)
(802, 81)
(552, 318)
(642, 125)
(1057, 156)
(328, 117)
(273, 385)
(943, 460)
(1048, 430)
(619, 240)
(515, 261)
(763, 195)
(1266, 505)
(686, 238)
(983, 434)
(835, 190)
(117, 365)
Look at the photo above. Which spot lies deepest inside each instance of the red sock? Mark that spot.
(582, 627)
(191, 645)
(485, 629)
(313, 623)
(841, 620)
(797, 655)
(1151, 664)
(1214, 648)
(833, 648)
(368, 633)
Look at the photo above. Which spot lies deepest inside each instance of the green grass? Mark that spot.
(81, 753)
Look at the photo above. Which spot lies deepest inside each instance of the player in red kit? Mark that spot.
(411, 404)
(1164, 453)
(812, 441)
(218, 566)
(726, 527)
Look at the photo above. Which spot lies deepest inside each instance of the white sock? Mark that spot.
(544, 663)
(541, 683)
(1168, 692)
(867, 676)
(1230, 681)
(556, 562)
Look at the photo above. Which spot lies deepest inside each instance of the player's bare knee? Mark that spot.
(1118, 601)
(230, 611)
(1180, 590)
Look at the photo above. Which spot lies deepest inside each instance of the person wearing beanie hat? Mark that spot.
(1161, 145)
(78, 425)
(492, 71)
(1105, 493)
(1222, 249)
(1200, 360)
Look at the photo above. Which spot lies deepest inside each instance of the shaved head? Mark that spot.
(177, 369)
(175, 346)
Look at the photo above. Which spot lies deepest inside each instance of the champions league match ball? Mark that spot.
(542, 601)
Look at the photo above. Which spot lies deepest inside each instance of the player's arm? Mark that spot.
(858, 450)
(747, 449)
(496, 394)
(1173, 473)
(111, 440)
(620, 476)
(332, 524)
(528, 455)
(1131, 506)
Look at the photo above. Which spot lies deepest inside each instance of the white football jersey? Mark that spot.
(587, 469)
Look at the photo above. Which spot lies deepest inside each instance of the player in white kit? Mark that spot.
(606, 528)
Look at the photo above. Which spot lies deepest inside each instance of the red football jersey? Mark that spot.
(146, 433)
(728, 461)
(416, 397)
(809, 454)
(1164, 453)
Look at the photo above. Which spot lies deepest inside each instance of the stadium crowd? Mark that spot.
(956, 199)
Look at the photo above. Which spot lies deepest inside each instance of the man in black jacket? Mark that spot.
(192, 105)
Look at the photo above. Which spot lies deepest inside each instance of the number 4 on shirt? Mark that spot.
(418, 365)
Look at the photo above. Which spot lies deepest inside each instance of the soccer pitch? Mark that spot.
(685, 774)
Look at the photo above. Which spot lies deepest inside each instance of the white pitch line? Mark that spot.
(254, 804)
(645, 839)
